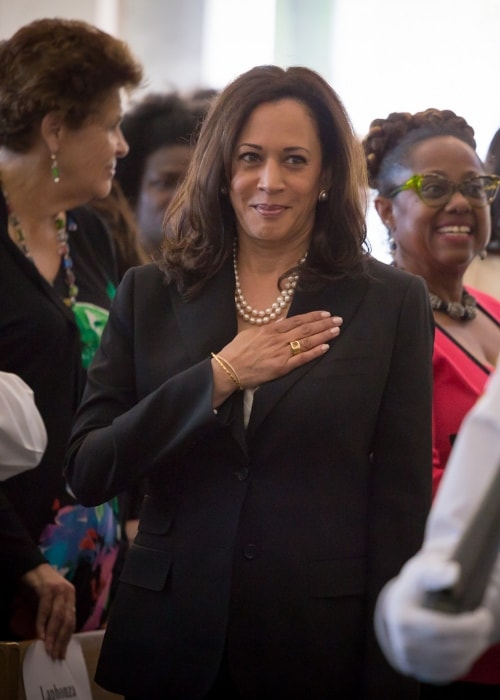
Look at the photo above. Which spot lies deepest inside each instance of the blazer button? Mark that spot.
(250, 551)
(242, 474)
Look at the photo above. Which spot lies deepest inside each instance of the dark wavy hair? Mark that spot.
(389, 142)
(200, 222)
(158, 120)
(58, 64)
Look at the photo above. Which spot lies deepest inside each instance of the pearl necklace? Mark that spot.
(460, 311)
(62, 248)
(253, 316)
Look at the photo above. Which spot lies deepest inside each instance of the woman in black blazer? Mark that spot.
(287, 443)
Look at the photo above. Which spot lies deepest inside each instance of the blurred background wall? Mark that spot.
(380, 55)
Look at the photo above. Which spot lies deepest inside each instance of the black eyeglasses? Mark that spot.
(436, 190)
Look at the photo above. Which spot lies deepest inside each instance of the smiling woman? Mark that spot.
(257, 377)
(433, 195)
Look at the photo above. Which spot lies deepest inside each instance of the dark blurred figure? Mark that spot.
(484, 271)
(158, 130)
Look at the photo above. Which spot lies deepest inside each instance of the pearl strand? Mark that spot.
(284, 299)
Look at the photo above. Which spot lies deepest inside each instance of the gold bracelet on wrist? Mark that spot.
(228, 369)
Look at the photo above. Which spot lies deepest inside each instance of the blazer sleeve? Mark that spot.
(18, 552)
(119, 437)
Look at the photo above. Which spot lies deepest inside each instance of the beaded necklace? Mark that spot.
(253, 316)
(63, 250)
(460, 311)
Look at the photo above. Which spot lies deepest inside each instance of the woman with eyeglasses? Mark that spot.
(433, 195)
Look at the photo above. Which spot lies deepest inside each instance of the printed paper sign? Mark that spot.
(46, 679)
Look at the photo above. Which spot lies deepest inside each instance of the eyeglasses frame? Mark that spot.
(415, 182)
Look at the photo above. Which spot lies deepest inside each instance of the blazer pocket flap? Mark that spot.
(146, 567)
(337, 577)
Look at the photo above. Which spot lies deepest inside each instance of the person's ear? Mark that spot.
(50, 129)
(383, 205)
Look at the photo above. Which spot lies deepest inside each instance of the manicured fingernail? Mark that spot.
(325, 314)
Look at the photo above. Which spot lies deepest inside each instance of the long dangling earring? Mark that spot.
(392, 245)
(323, 196)
(54, 168)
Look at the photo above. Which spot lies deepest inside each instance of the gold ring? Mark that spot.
(295, 347)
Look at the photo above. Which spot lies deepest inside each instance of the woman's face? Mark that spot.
(164, 169)
(431, 241)
(87, 155)
(277, 173)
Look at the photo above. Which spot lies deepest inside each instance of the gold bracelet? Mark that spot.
(228, 369)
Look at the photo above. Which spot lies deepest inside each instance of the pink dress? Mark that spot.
(459, 380)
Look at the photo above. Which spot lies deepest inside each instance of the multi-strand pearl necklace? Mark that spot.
(460, 311)
(251, 315)
(62, 248)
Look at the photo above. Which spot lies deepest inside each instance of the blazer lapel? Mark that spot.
(207, 323)
(211, 319)
(342, 298)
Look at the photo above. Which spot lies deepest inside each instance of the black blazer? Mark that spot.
(39, 341)
(269, 544)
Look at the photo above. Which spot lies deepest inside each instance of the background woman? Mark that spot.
(259, 378)
(434, 197)
(60, 138)
(158, 130)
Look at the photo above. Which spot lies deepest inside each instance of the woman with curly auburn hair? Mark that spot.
(60, 138)
(434, 196)
(257, 377)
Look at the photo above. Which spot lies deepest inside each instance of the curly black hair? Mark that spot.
(389, 141)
